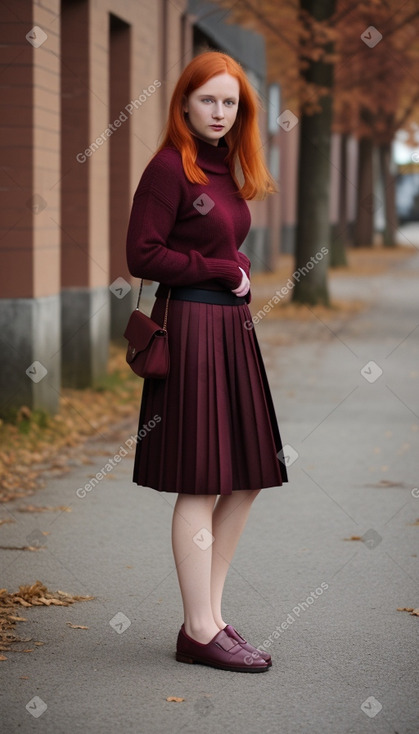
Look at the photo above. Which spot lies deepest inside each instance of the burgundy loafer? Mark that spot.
(221, 652)
(246, 645)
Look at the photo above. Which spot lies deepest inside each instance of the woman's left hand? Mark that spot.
(244, 286)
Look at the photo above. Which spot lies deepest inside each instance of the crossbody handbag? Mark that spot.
(148, 345)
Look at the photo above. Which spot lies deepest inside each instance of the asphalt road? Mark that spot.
(344, 659)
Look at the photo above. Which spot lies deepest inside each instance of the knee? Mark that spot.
(253, 494)
(248, 495)
(197, 502)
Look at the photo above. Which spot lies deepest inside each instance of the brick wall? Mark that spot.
(84, 100)
(30, 139)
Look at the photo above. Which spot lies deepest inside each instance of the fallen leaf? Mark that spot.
(35, 508)
(36, 594)
(411, 610)
(3, 657)
(31, 451)
(23, 602)
(74, 597)
(174, 698)
(22, 547)
(77, 626)
(6, 519)
(386, 483)
(416, 522)
(354, 537)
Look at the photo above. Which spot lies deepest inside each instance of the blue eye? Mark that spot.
(229, 102)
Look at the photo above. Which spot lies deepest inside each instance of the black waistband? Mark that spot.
(200, 295)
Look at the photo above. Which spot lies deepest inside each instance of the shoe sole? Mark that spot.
(235, 669)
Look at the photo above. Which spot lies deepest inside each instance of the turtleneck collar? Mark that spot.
(212, 158)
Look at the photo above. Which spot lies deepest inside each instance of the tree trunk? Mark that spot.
(389, 188)
(313, 225)
(340, 235)
(364, 225)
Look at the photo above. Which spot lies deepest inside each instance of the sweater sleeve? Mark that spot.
(153, 216)
(244, 263)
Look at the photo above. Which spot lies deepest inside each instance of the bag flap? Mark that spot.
(140, 330)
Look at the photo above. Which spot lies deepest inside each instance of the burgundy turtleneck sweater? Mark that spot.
(185, 234)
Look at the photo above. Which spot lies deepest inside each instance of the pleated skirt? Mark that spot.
(210, 427)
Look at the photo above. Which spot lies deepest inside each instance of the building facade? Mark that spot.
(85, 90)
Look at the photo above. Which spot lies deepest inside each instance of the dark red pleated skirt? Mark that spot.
(210, 427)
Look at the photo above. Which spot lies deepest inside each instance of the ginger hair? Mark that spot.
(243, 140)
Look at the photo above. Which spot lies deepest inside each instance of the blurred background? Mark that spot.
(85, 90)
(85, 93)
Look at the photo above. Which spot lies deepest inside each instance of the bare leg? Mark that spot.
(192, 514)
(228, 521)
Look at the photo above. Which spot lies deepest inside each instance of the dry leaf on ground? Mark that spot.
(354, 537)
(34, 508)
(411, 610)
(36, 446)
(176, 699)
(22, 547)
(36, 594)
(77, 626)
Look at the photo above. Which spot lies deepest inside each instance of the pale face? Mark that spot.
(212, 108)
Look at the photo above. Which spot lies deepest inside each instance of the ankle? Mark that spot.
(220, 624)
(201, 632)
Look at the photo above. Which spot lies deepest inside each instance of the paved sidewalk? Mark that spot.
(345, 660)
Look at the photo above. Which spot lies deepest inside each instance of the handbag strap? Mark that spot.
(137, 308)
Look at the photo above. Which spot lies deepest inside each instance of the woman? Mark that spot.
(216, 442)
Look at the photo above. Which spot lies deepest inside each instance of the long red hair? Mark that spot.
(243, 139)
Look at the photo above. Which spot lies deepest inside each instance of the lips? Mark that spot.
(217, 127)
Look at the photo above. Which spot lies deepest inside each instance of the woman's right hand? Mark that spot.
(244, 286)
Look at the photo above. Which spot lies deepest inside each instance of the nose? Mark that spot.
(218, 111)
